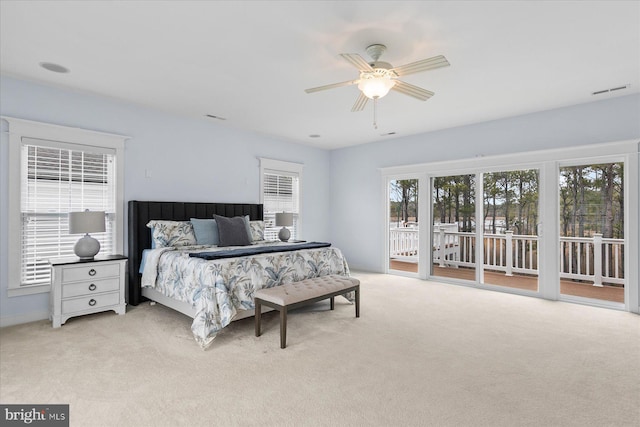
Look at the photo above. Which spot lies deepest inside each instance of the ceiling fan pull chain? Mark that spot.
(375, 104)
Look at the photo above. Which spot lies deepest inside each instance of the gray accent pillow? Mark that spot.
(206, 231)
(232, 231)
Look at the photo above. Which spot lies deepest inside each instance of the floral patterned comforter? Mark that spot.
(218, 289)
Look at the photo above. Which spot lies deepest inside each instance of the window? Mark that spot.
(280, 192)
(57, 179)
(545, 215)
(58, 170)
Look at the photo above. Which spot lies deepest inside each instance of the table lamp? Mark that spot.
(86, 222)
(284, 220)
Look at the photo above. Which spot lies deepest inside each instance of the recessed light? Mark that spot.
(214, 117)
(314, 135)
(56, 68)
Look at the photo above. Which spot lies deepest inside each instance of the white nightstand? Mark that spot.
(85, 287)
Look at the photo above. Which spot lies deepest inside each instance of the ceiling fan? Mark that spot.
(377, 78)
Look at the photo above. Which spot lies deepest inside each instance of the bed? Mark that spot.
(212, 285)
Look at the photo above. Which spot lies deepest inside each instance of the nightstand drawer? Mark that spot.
(90, 272)
(90, 302)
(90, 287)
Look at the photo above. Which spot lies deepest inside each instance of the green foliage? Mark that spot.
(404, 199)
(454, 200)
(591, 200)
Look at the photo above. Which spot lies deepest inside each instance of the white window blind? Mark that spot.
(281, 193)
(58, 178)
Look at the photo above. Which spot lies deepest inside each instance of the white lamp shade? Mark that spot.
(284, 219)
(86, 222)
(376, 87)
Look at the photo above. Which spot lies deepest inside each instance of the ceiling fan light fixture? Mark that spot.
(375, 86)
(377, 78)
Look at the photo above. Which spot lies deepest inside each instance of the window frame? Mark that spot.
(548, 162)
(286, 168)
(80, 138)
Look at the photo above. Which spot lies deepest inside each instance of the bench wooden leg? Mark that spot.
(283, 327)
(284, 310)
(258, 316)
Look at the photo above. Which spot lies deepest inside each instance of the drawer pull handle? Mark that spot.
(92, 287)
(92, 302)
(92, 272)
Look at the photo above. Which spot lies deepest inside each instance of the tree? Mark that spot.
(491, 193)
(405, 191)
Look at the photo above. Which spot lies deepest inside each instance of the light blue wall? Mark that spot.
(196, 160)
(187, 160)
(356, 193)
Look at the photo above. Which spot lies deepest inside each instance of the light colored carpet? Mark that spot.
(421, 354)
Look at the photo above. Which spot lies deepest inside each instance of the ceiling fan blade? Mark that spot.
(331, 86)
(361, 102)
(357, 61)
(411, 90)
(423, 65)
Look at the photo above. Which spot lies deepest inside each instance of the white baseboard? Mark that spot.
(23, 318)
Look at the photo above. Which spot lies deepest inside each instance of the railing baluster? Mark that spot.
(570, 264)
(606, 270)
(597, 259)
(617, 261)
(578, 260)
(443, 245)
(587, 260)
(496, 242)
(580, 263)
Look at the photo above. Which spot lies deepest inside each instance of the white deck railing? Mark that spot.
(592, 259)
(597, 258)
(403, 244)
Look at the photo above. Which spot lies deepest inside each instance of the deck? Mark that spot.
(518, 281)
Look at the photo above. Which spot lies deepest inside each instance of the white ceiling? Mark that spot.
(250, 62)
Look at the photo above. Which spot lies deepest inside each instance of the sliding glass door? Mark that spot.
(453, 228)
(592, 241)
(510, 240)
(508, 217)
(562, 225)
(403, 227)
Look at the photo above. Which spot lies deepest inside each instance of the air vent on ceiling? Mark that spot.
(56, 68)
(214, 117)
(387, 134)
(613, 89)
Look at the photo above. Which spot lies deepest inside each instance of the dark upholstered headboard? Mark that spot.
(140, 213)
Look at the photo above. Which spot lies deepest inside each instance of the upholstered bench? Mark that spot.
(297, 294)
